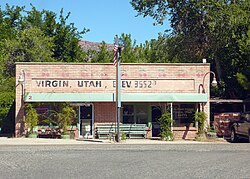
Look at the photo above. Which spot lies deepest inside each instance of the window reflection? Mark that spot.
(128, 114)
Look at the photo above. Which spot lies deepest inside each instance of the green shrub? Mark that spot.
(6, 102)
(123, 136)
(31, 118)
(166, 123)
(66, 117)
(200, 118)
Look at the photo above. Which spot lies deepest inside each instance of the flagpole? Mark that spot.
(117, 63)
(118, 93)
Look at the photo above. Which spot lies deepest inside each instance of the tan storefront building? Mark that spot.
(146, 89)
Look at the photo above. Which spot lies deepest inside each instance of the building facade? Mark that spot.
(147, 90)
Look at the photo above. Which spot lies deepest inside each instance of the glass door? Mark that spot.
(86, 120)
(156, 114)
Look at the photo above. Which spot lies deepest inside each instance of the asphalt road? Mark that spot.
(126, 161)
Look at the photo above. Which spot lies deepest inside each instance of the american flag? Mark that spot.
(115, 52)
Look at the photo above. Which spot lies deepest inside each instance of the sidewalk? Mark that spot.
(42, 141)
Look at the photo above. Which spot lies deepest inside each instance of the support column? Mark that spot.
(19, 112)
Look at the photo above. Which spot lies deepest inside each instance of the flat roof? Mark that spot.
(156, 64)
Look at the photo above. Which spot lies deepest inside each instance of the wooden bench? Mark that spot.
(131, 130)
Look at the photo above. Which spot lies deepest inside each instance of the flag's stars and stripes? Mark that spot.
(115, 52)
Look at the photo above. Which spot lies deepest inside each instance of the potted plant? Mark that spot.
(31, 120)
(65, 119)
(165, 124)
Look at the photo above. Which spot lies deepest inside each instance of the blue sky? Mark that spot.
(104, 18)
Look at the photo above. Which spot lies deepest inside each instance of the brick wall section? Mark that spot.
(104, 112)
(19, 115)
(182, 133)
(171, 78)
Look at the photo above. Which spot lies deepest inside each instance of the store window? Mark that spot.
(128, 114)
(135, 114)
(141, 114)
(183, 115)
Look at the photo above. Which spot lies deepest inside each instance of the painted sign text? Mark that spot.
(94, 83)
